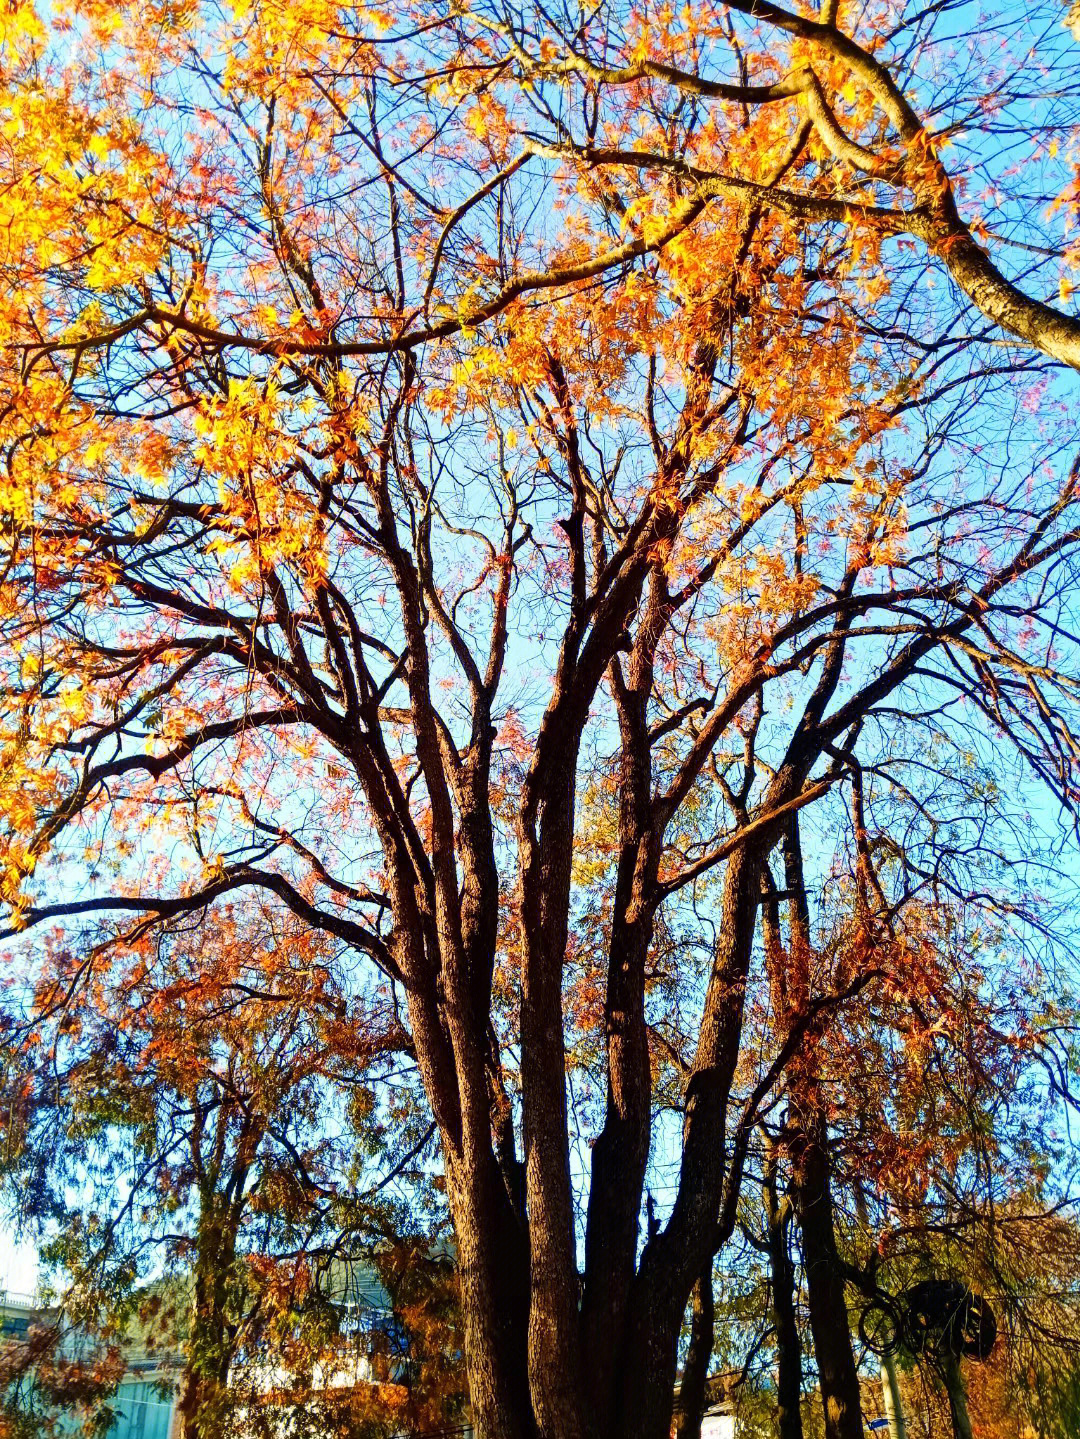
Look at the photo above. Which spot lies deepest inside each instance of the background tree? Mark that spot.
(938, 1089)
(365, 1344)
(945, 1085)
(184, 1118)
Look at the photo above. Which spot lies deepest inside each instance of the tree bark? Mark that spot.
(838, 1375)
(956, 1389)
(493, 1275)
(203, 1400)
(785, 1325)
(555, 1378)
(621, 1152)
(894, 1403)
(829, 1324)
(690, 1400)
(674, 1258)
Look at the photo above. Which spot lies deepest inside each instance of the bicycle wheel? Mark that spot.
(880, 1328)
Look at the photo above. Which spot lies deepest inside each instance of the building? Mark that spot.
(375, 1349)
(143, 1412)
(144, 1401)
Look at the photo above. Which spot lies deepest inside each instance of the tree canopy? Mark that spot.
(578, 509)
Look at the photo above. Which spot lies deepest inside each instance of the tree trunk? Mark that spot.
(690, 1400)
(837, 1372)
(894, 1404)
(782, 1278)
(545, 830)
(673, 1259)
(956, 1389)
(204, 1400)
(621, 1152)
(809, 1145)
(493, 1274)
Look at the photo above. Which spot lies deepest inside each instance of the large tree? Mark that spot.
(476, 476)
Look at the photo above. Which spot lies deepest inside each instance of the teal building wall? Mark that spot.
(142, 1412)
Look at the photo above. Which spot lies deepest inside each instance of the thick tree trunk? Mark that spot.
(493, 1275)
(690, 1400)
(203, 1400)
(837, 1372)
(555, 1376)
(618, 1171)
(621, 1152)
(785, 1324)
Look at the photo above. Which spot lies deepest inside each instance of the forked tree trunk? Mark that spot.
(675, 1257)
(627, 1323)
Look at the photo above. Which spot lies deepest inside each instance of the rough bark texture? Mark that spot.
(203, 1399)
(956, 1390)
(838, 1375)
(690, 1401)
(494, 1287)
(782, 1297)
